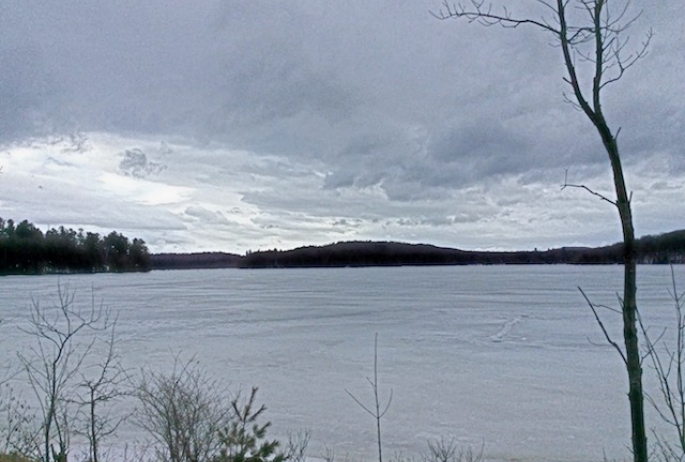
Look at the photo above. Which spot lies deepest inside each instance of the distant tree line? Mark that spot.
(195, 260)
(659, 249)
(25, 249)
(664, 248)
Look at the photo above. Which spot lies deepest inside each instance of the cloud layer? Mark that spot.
(239, 124)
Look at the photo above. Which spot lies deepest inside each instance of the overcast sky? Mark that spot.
(250, 124)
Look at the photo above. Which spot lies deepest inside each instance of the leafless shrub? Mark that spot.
(443, 450)
(296, 448)
(328, 454)
(182, 411)
(399, 456)
(17, 434)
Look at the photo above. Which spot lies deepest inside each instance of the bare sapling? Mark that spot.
(101, 386)
(64, 334)
(375, 411)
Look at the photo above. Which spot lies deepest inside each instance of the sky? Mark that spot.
(236, 125)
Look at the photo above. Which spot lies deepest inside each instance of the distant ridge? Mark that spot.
(195, 260)
(659, 249)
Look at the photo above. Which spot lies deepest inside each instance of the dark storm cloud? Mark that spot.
(480, 148)
(111, 65)
(380, 93)
(25, 90)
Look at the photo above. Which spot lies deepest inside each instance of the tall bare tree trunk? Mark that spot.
(596, 44)
(592, 107)
(629, 302)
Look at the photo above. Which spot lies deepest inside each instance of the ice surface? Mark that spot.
(505, 355)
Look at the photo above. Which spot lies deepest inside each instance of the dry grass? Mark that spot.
(14, 458)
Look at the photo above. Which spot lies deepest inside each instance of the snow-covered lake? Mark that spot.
(506, 355)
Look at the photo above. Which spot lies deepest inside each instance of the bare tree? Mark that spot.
(102, 385)
(64, 339)
(183, 412)
(591, 36)
(376, 411)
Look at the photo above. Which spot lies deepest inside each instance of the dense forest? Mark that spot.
(664, 248)
(195, 260)
(25, 249)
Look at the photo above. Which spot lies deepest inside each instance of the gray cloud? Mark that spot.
(136, 164)
(291, 78)
(207, 216)
(360, 98)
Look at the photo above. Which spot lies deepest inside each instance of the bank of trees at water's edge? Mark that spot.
(25, 249)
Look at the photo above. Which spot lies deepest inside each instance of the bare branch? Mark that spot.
(482, 13)
(582, 186)
(362, 405)
(608, 338)
(65, 335)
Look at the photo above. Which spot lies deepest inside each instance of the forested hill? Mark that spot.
(25, 249)
(195, 260)
(664, 248)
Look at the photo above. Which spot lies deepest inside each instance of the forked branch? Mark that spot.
(608, 338)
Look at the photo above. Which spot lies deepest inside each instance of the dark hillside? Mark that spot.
(194, 260)
(664, 248)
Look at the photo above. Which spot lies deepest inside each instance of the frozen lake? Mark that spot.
(506, 355)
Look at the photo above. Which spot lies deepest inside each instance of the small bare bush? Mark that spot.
(443, 450)
(183, 412)
(296, 449)
(17, 435)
